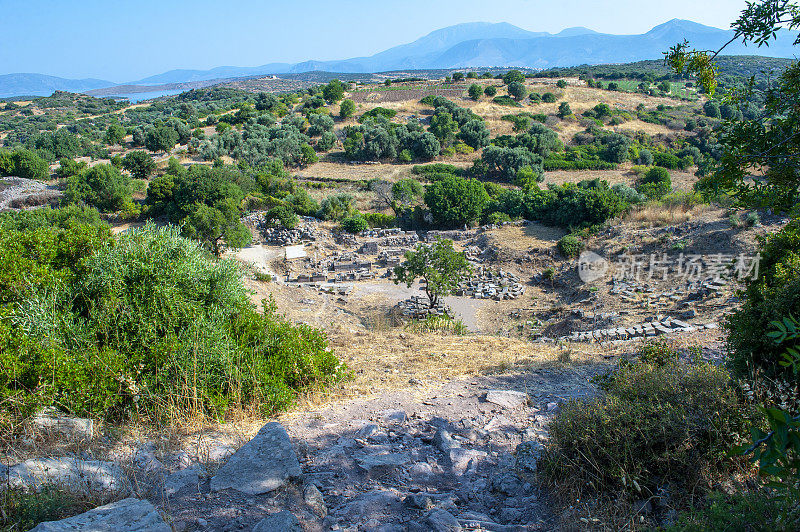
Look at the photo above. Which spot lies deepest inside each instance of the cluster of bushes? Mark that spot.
(145, 325)
(522, 121)
(261, 140)
(102, 186)
(379, 139)
(451, 122)
(570, 206)
(671, 429)
(23, 163)
(661, 425)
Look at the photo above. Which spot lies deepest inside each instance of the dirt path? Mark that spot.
(465, 309)
(392, 462)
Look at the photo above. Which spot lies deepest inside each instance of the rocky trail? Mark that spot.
(459, 456)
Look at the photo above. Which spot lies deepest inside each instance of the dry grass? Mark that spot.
(525, 237)
(389, 359)
(656, 215)
(681, 180)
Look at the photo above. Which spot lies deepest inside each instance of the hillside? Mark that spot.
(224, 266)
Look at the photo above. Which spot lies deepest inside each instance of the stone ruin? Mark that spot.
(644, 295)
(655, 327)
(491, 284)
(418, 308)
(306, 230)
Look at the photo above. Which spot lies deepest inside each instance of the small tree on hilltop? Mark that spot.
(517, 90)
(438, 265)
(513, 76)
(475, 91)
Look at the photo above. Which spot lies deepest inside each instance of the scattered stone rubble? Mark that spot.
(491, 284)
(637, 292)
(306, 230)
(394, 464)
(418, 308)
(656, 327)
(21, 193)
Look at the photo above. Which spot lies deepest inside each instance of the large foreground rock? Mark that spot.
(284, 521)
(507, 398)
(128, 515)
(50, 420)
(67, 473)
(261, 465)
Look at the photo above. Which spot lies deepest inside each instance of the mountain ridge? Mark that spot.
(475, 44)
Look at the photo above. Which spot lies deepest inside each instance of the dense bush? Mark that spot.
(23, 163)
(355, 223)
(504, 163)
(41, 248)
(775, 294)
(570, 246)
(455, 201)
(506, 100)
(282, 215)
(383, 221)
(655, 183)
(721, 511)
(376, 112)
(102, 186)
(139, 164)
(336, 207)
(660, 423)
(568, 206)
(153, 326)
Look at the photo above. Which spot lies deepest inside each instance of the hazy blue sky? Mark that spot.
(124, 40)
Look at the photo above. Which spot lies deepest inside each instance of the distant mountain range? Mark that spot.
(478, 44)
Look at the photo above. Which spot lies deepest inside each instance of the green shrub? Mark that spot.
(739, 512)
(752, 219)
(377, 219)
(378, 112)
(669, 160)
(102, 186)
(497, 218)
(153, 326)
(24, 509)
(773, 295)
(282, 215)
(455, 201)
(570, 246)
(506, 100)
(659, 422)
(655, 183)
(490, 91)
(355, 224)
(23, 163)
(336, 207)
(405, 156)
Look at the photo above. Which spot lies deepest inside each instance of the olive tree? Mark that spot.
(438, 265)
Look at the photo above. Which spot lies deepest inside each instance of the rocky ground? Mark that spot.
(451, 457)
